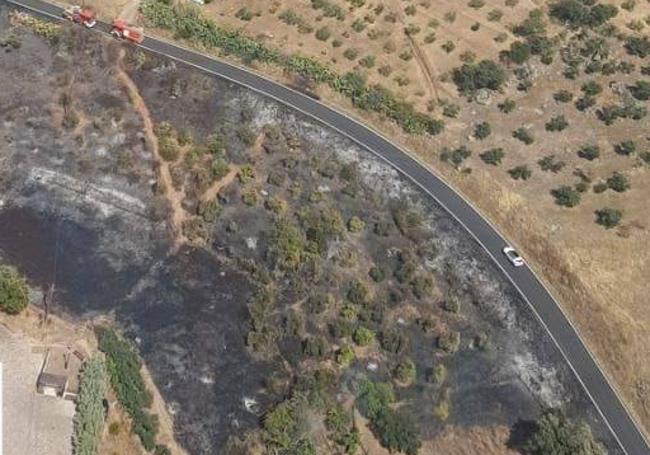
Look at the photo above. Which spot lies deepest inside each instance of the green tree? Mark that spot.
(566, 196)
(345, 355)
(555, 434)
(493, 156)
(471, 77)
(355, 224)
(397, 432)
(641, 90)
(618, 182)
(373, 397)
(625, 148)
(482, 130)
(638, 46)
(589, 152)
(608, 217)
(523, 135)
(14, 294)
(557, 123)
(563, 96)
(591, 88)
(520, 172)
(405, 371)
(123, 365)
(89, 419)
(363, 336)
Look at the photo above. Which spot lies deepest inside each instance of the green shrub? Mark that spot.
(584, 103)
(638, 46)
(578, 13)
(448, 46)
(589, 152)
(520, 172)
(495, 15)
(281, 428)
(405, 371)
(566, 196)
(123, 365)
(287, 246)
(244, 14)
(618, 182)
(368, 61)
(342, 430)
(450, 110)
(523, 135)
(345, 355)
(393, 341)
(554, 433)
(377, 274)
(592, 88)
(625, 148)
(548, 163)
(350, 53)
(608, 217)
(507, 106)
(482, 130)
(421, 286)
(373, 397)
(356, 224)
(641, 90)
(456, 156)
(323, 34)
(493, 156)
(471, 77)
(518, 53)
(315, 347)
(396, 432)
(89, 416)
(563, 96)
(329, 9)
(449, 342)
(533, 25)
(557, 123)
(437, 375)
(14, 293)
(363, 336)
(162, 450)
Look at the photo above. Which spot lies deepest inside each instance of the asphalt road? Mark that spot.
(525, 281)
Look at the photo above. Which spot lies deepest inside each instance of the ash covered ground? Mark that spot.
(83, 207)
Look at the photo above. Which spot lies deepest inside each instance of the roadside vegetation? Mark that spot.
(90, 413)
(123, 366)
(187, 23)
(14, 294)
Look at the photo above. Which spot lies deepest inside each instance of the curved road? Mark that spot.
(525, 281)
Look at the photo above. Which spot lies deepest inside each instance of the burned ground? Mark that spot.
(236, 319)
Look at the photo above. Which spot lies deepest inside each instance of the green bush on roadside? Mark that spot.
(14, 295)
(123, 365)
(186, 22)
(89, 417)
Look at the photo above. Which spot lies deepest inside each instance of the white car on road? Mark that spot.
(513, 256)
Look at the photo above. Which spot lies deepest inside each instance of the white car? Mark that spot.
(513, 256)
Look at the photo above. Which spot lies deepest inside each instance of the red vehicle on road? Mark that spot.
(124, 30)
(80, 15)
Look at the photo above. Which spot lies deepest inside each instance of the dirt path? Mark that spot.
(214, 189)
(175, 197)
(421, 59)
